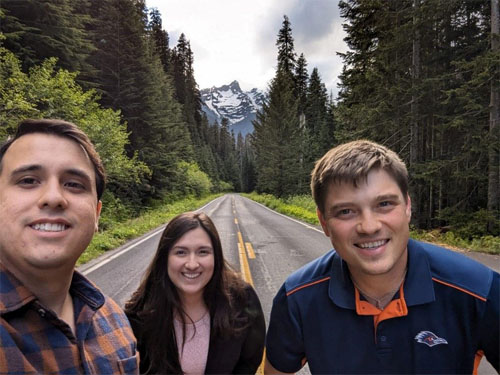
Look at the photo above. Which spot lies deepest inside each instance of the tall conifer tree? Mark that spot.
(37, 30)
(286, 49)
(278, 136)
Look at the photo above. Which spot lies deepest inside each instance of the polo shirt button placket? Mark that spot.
(42, 312)
(384, 348)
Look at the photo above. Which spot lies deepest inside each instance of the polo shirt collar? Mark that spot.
(418, 285)
(341, 288)
(14, 295)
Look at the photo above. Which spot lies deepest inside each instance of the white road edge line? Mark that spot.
(288, 217)
(128, 248)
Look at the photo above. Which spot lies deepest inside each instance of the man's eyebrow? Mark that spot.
(78, 173)
(339, 206)
(389, 197)
(27, 168)
(37, 167)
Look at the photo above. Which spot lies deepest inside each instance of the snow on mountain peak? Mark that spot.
(229, 101)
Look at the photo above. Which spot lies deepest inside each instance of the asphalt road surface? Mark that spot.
(263, 244)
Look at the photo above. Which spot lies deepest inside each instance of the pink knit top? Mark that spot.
(194, 356)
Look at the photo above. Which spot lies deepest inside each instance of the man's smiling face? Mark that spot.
(368, 225)
(48, 203)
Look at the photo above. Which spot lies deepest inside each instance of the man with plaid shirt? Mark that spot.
(52, 319)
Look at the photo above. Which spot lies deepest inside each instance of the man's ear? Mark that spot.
(322, 221)
(98, 215)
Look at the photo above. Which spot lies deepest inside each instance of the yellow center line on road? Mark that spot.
(251, 253)
(245, 268)
(245, 271)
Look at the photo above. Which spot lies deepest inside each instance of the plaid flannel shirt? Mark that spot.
(34, 340)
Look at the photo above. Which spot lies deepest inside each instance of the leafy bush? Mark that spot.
(113, 211)
(297, 206)
(471, 225)
(197, 182)
(305, 201)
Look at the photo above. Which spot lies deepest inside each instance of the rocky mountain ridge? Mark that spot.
(230, 101)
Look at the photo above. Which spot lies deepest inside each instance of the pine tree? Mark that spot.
(160, 38)
(286, 49)
(301, 79)
(276, 139)
(494, 128)
(186, 88)
(248, 167)
(316, 119)
(37, 30)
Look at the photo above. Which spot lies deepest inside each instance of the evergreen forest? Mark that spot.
(420, 76)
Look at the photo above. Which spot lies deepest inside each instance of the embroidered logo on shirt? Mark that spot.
(429, 338)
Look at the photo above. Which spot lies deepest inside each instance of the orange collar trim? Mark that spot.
(396, 308)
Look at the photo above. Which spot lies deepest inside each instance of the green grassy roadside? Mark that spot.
(303, 208)
(120, 233)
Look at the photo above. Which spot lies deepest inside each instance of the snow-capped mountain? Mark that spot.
(229, 101)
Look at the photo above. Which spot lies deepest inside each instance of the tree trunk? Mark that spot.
(493, 152)
(414, 127)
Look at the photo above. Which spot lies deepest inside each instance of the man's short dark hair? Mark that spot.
(62, 129)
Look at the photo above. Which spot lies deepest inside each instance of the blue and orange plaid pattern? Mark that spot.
(33, 340)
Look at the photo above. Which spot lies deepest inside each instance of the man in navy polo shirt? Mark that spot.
(380, 302)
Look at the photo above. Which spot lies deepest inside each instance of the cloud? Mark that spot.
(236, 39)
(313, 19)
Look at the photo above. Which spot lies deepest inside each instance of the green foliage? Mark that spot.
(301, 207)
(471, 225)
(486, 244)
(286, 51)
(220, 186)
(113, 210)
(38, 29)
(304, 201)
(277, 141)
(195, 181)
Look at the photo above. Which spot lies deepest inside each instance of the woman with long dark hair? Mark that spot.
(192, 314)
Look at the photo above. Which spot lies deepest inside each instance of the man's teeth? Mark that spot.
(369, 245)
(192, 275)
(49, 227)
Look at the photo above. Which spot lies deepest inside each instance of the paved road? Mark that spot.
(269, 246)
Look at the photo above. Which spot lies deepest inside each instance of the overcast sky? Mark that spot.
(236, 39)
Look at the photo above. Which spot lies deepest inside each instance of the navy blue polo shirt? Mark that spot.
(445, 316)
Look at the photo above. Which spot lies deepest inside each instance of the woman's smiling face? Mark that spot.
(191, 263)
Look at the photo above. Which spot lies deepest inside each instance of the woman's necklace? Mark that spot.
(381, 302)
